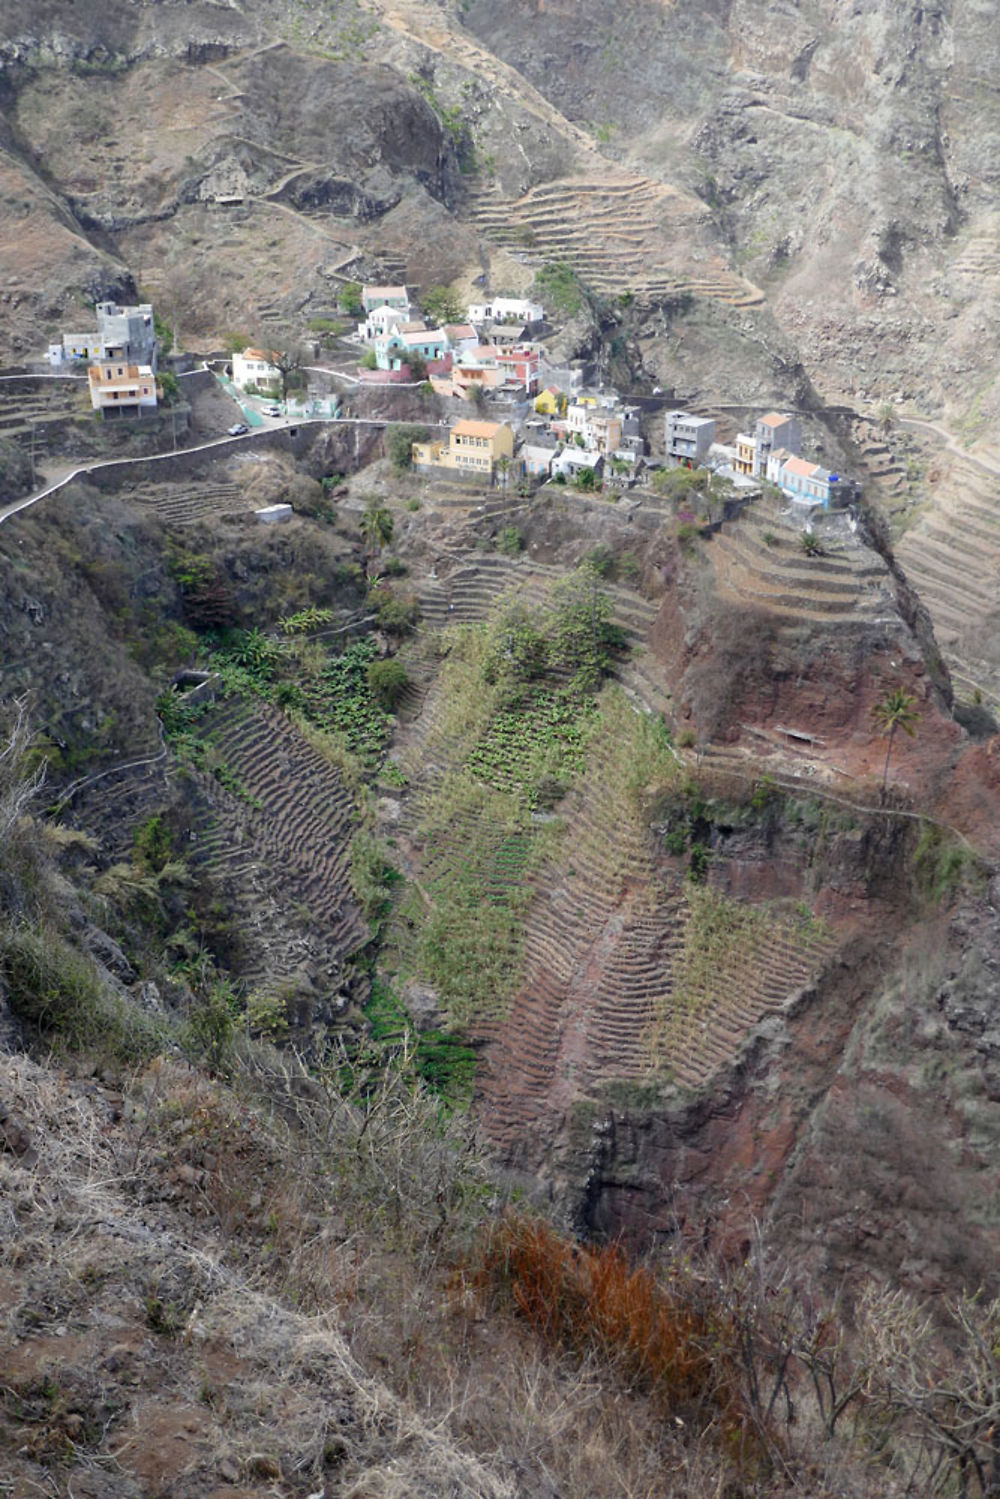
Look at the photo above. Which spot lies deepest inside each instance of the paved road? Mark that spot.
(205, 447)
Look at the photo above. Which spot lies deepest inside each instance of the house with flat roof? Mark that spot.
(688, 438)
(537, 458)
(506, 310)
(570, 462)
(383, 319)
(125, 333)
(745, 458)
(118, 388)
(775, 430)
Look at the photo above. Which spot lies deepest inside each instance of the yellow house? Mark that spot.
(550, 402)
(473, 448)
(746, 448)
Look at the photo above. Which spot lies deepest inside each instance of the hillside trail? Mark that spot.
(951, 443)
(424, 23)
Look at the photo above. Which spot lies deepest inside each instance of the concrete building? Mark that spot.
(122, 333)
(274, 515)
(373, 297)
(384, 319)
(537, 459)
(506, 310)
(808, 483)
(632, 436)
(118, 388)
(688, 438)
(461, 337)
(745, 461)
(255, 367)
(473, 450)
(775, 430)
(571, 461)
(397, 348)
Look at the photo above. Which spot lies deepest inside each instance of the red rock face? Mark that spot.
(763, 1116)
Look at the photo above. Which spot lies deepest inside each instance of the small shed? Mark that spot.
(273, 515)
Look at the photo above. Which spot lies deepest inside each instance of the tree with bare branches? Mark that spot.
(19, 784)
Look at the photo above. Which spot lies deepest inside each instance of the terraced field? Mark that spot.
(34, 418)
(181, 504)
(619, 231)
(952, 557)
(759, 559)
(615, 986)
(470, 591)
(277, 841)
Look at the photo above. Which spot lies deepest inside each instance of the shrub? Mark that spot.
(350, 299)
(170, 391)
(58, 993)
(395, 615)
(15, 469)
(372, 876)
(601, 561)
(388, 681)
(510, 541)
(591, 1303)
(399, 445)
(212, 1023)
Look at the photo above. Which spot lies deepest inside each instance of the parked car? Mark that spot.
(272, 410)
(237, 429)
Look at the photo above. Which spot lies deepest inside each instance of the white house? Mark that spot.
(506, 309)
(384, 319)
(571, 460)
(255, 367)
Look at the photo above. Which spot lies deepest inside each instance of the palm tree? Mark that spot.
(897, 710)
(376, 526)
(503, 468)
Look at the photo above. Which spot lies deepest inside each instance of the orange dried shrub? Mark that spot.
(591, 1302)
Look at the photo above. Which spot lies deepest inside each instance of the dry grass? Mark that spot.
(203, 1353)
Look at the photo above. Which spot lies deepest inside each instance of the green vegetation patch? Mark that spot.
(518, 704)
(342, 700)
(343, 696)
(481, 850)
(558, 287)
(442, 1061)
(57, 991)
(538, 747)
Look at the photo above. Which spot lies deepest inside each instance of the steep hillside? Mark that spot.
(845, 158)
